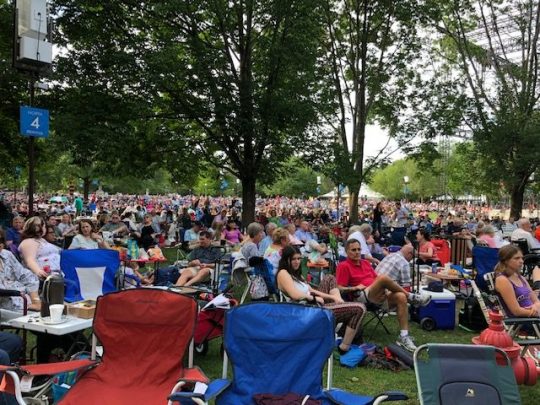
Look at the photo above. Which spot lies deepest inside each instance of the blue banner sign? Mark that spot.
(34, 122)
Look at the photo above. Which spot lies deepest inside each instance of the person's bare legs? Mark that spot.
(185, 276)
(536, 279)
(377, 290)
(348, 337)
(399, 301)
(536, 274)
(396, 298)
(201, 276)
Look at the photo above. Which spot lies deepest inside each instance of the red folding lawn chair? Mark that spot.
(145, 333)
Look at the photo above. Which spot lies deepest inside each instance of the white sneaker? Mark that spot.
(407, 342)
(419, 299)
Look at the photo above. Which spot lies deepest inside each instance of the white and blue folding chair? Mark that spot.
(89, 273)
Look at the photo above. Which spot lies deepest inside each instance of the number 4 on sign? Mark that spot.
(35, 123)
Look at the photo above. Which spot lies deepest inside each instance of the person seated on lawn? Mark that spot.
(116, 227)
(292, 284)
(293, 240)
(524, 231)
(324, 235)
(36, 253)
(220, 218)
(14, 276)
(362, 233)
(356, 277)
(87, 238)
(267, 240)
(250, 247)
(146, 236)
(231, 233)
(50, 236)
(280, 239)
(13, 234)
(53, 222)
(234, 217)
(489, 237)
(427, 254)
(201, 262)
(304, 233)
(397, 267)
(217, 234)
(191, 236)
(66, 227)
(516, 295)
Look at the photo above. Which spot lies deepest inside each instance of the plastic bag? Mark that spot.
(258, 288)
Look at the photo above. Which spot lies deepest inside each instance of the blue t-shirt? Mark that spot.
(13, 235)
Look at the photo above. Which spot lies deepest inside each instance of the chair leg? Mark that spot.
(379, 320)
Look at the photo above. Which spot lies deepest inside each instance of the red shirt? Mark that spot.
(349, 274)
(425, 247)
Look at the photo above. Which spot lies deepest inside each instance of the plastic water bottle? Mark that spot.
(46, 267)
(434, 268)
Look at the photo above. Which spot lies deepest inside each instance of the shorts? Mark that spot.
(195, 270)
(363, 297)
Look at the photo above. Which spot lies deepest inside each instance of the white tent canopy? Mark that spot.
(365, 191)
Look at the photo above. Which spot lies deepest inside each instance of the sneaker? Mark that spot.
(419, 299)
(407, 342)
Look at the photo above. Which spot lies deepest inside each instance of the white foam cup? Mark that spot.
(56, 311)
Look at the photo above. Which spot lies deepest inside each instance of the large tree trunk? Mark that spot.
(248, 200)
(86, 188)
(516, 199)
(353, 206)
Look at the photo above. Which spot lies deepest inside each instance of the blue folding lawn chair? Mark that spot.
(449, 374)
(484, 261)
(89, 273)
(277, 349)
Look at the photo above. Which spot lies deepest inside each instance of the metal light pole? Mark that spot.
(32, 54)
(405, 187)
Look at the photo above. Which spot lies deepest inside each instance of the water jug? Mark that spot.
(52, 293)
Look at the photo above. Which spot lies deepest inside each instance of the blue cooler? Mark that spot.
(440, 313)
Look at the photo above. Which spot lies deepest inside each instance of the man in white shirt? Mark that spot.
(524, 231)
(362, 233)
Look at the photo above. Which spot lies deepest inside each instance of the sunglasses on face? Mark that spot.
(355, 250)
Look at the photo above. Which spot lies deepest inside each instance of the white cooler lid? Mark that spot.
(444, 295)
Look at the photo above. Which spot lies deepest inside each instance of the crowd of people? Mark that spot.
(285, 231)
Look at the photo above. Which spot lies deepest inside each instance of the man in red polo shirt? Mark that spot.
(356, 276)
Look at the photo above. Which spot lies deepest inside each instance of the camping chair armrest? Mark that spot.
(392, 396)
(13, 383)
(215, 388)
(50, 368)
(11, 293)
(522, 321)
(345, 398)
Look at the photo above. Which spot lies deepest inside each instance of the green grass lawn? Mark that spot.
(367, 380)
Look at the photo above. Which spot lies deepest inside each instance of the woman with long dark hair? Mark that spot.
(378, 213)
(292, 284)
(427, 253)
